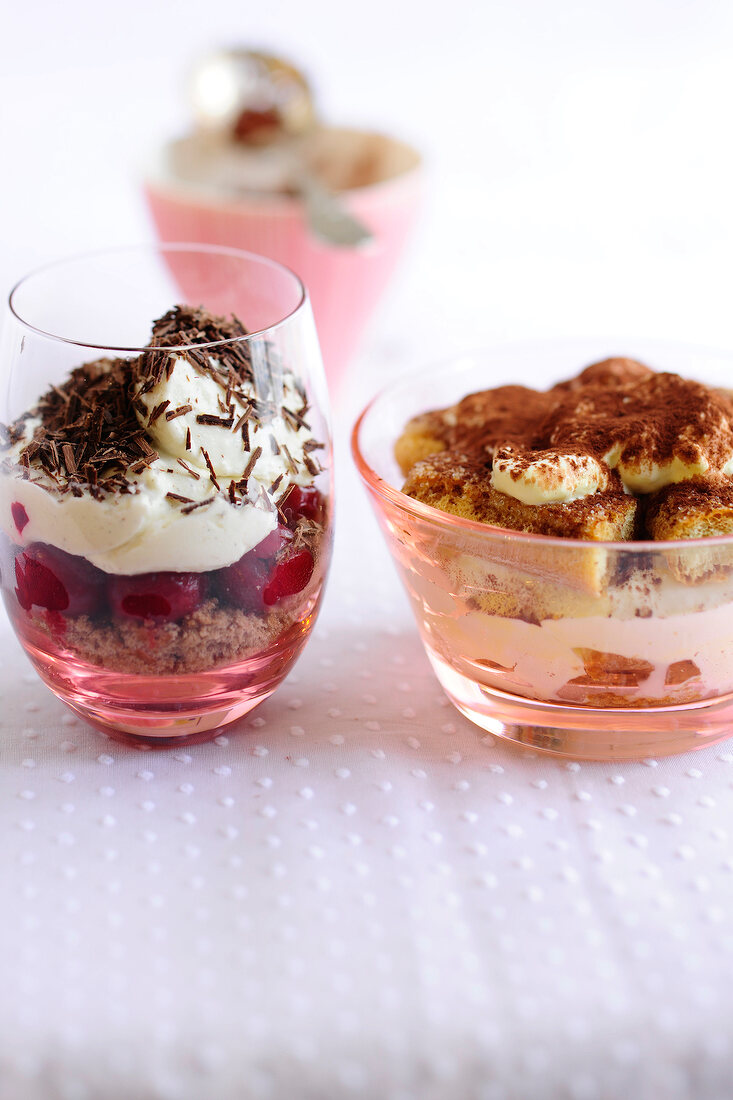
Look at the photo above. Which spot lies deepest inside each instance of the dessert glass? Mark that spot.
(586, 649)
(174, 671)
(345, 284)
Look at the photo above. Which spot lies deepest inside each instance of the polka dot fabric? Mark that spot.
(355, 893)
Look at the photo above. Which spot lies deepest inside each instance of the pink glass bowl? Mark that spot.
(591, 650)
(142, 670)
(344, 284)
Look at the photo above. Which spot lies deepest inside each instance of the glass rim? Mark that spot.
(150, 248)
(416, 509)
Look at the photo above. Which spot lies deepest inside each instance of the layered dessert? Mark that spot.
(231, 163)
(168, 513)
(256, 130)
(617, 455)
(260, 168)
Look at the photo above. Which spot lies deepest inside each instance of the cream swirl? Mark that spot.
(212, 425)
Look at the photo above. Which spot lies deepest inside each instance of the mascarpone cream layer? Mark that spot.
(537, 660)
(548, 479)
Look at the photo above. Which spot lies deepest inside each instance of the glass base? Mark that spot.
(166, 710)
(164, 727)
(588, 733)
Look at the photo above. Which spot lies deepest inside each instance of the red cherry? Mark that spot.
(271, 544)
(166, 597)
(302, 500)
(254, 126)
(243, 582)
(20, 516)
(48, 577)
(290, 575)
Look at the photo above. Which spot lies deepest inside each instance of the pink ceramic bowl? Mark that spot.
(344, 284)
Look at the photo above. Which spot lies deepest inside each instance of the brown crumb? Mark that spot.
(213, 635)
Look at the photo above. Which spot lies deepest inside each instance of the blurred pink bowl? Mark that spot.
(344, 284)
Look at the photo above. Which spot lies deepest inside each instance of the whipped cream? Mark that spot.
(646, 477)
(552, 477)
(141, 531)
(183, 387)
(178, 513)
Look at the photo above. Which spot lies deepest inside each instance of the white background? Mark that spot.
(353, 894)
(578, 153)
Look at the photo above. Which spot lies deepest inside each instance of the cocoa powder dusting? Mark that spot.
(653, 419)
(618, 407)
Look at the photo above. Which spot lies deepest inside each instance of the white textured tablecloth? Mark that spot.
(355, 893)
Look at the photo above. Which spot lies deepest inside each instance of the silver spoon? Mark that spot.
(265, 108)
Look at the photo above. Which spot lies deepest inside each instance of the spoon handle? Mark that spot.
(328, 218)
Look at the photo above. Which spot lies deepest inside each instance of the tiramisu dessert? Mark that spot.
(618, 454)
(257, 131)
(260, 167)
(166, 513)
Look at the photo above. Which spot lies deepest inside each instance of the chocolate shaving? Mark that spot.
(144, 447)
(173, 413)
(177, 496)
(292, 465)
(68, 452)
(212, 471)
(199, 504)
(243, 418)
(187, 468)
(158, 411)
(294, 419)
(215, 421)
(252, 460)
